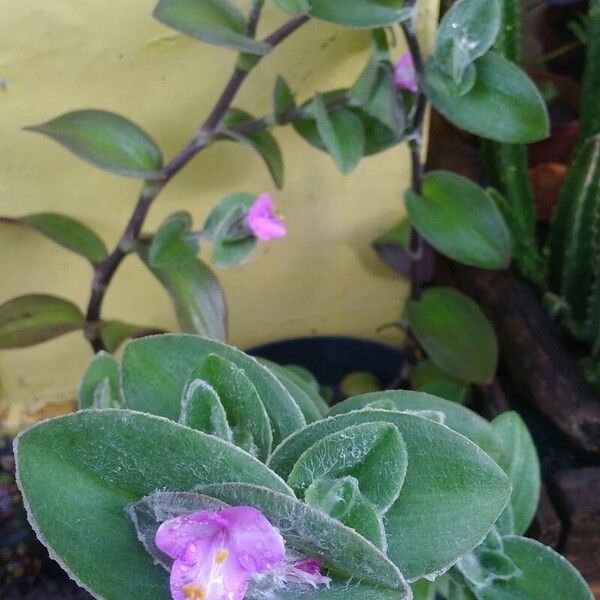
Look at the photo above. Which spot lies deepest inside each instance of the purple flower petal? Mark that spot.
(405, 76)
(263, 222)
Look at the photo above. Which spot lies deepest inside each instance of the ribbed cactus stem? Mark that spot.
(507, 163)
(574, 239)
(589, 114)
(593, 316)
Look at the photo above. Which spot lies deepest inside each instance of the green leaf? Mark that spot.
(544, 574)
(383, 102)
(426, 377)
(520, 462)
(217, 22)
(378, 137)
(484, 565)
(202, 409)
(156, 370)
(342, 133)
(373, 453)
(195, 294)
(245, 411)
(455, 334)
(283, 98)
(67, 232)
(114, 333)
(170, 244)
(342, 500)
(36, 318)
(460, 220)
(351, 13)
(459, 418)
(106, 140)
(101, 383)
(232, 240)
(262, 141)
(342, 590)
(503, 105)
(313, 533)
(304, 397)
(77, 473)
(360, 382)
(452, 494)
(467, 31)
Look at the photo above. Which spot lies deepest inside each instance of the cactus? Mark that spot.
(507, 163)
(573, 249)
(574, 245)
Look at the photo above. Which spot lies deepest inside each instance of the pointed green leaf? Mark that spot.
(217, 22)
(77, 474)
(342, 133)
(283, 98)
(101, 383)
(460, 220)
(351, 13)
(106, 140)
(455, 334)
(156, 370)
(262, 141)
(342, 500)
(67, 232)
(202, 409)
(504, 104)
(195, 294)
(170, 244)
(245, 411)
(114, 333)
(35, 318)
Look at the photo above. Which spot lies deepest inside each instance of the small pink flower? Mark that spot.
(263, 222)
(217, 553)
(405, 76)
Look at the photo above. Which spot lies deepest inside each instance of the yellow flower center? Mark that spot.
(221, 556)
(194, 592)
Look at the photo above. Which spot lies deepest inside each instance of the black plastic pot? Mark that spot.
(331, 358)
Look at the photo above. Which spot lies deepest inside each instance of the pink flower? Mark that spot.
(405, 76)
(217, 553)
(263, 222)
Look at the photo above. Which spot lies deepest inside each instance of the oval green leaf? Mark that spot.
(170, 244)
(77, 474)
(35, 318)
(504, 104)
(217, 22)
(460, 220)
(106, 140)
(455, 334)
(453, 491)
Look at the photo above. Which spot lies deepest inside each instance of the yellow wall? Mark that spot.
(67, 54)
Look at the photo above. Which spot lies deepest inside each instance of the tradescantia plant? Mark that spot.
(201, 473)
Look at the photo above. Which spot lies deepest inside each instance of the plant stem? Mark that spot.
(416, 150)
(105, 271)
